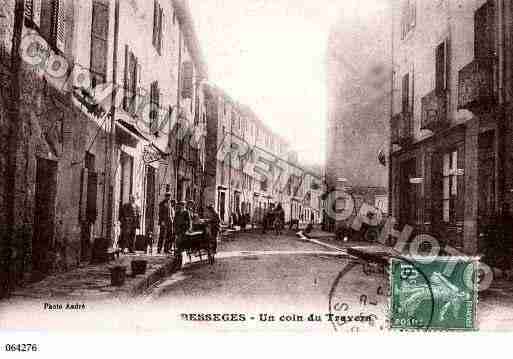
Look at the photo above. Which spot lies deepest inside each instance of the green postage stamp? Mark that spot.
(434, 293)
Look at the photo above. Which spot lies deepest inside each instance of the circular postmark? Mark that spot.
(360, 298)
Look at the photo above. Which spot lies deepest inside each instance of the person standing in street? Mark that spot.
(268, 218)
(166, 217)
(129, 217)
(279, 219)
(215, 224)
(182, 223)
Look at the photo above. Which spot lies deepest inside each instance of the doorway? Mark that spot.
(221, 205)
(486, 180)
(44, 216)
(407, 193)
(150, 200)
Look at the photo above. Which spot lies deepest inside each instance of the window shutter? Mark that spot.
(484, 29)
(155, 23)
(59, 24)
(406, 92)
(135, 82)
(187, 74)
(99, 41)
(161, 30)
(440, 67)
(447, 51)
(126, 84)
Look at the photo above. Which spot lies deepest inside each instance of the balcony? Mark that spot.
(475, 86)
(434, 111)
(401, 129)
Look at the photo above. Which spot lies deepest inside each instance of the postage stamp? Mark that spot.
(433, 293)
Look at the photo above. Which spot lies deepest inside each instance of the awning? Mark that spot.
(129, 134)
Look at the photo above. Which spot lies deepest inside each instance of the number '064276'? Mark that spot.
(21, 348)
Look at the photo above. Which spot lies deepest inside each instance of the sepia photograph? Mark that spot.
(255, 166)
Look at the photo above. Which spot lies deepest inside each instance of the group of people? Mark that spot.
(274, 217)
(175, 220)
(242, 220)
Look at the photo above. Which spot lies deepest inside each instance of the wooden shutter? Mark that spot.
(125, 97)
(155, 23)
(406, 93)
(92, 196)
(160, 33)
(99, 41)
(187, 77)
(447, 51)
(133, 82)
(484, 31)
(440, 67)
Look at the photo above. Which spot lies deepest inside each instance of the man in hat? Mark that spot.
(215, 223)
(166, 217)
(182, 222)
(129, 217)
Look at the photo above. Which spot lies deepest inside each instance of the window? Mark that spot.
(441, 67)
(131, 80)
(158, 16)
(406, 93)
(263, 185)
(408, 17)
(450, 185)
(187, 79)
(99, 42)
(155, 104)
(484, 29)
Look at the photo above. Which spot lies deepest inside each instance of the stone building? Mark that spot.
(451, 126)
(358, 79)
(258, 170)
(93, 92)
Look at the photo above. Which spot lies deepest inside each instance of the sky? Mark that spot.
(271, 55)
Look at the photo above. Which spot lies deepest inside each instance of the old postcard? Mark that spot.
(255, 166)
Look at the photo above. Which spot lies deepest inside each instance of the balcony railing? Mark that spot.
(434, 110)
(475, 86)
(401, 129)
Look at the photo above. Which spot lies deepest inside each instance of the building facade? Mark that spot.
(259, 169)
(95, 96)
(358, 68)
(451, 125)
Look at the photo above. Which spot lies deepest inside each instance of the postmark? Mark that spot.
(433, 293)
(359, 298)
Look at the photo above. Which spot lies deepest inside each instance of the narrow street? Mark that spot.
(283, 276)
(258, 282)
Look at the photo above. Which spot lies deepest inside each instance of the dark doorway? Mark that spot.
(222, 204)
(150, 200)
(90, 186)
(486, 180)
(407, 193)
(44, 216)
